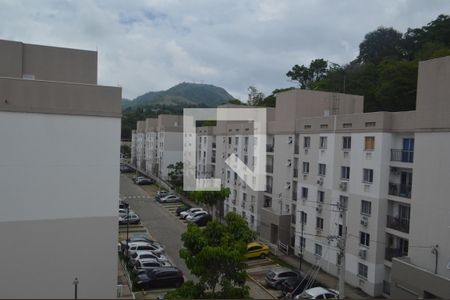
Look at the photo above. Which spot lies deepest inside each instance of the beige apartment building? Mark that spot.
(386, 171)
(59, 179)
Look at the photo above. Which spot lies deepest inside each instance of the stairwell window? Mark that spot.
(366, 207)
(322, 169)
(306, 142)
(346, 142)
(367, 175)
(305, 167)
(369, 143)
(323, 142)
(364, 239)
(345, 173)
(304, 193)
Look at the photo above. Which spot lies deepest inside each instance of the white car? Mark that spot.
(123, 212)
(139, 246)
(192, 216)
(145, 254)
(318, 293)
(169, 198)
(186, 213)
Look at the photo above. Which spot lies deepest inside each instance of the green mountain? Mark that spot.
(183, 94)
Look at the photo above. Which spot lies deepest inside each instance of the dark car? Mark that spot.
(123, 204)
(125, 169)
(202, 220)
(145, 181)
(295, 286)
(165, 277)
(181, 209)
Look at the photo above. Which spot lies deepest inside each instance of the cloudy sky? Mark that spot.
(155, 44)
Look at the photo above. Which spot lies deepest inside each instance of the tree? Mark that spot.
(255, 97)
(215, 255)
(236, 102)
(307, 76)
(380, 44)
(213, 199)
(125, 150)
(176, 174)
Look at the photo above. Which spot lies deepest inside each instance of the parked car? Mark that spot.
(186, 213)
(149, 263)
(139, 246)
(169, 199)
(138, 238)
(123, 204)
(181, 209)
(124, 211)
(145, 254)
(144, 181)
(202, 220)
(318, 293)
(132, 218)
(159, 277)
(256, 249)
(294, 286)
(191, 216)
(125, 169)
(275, 277)
(161, 194)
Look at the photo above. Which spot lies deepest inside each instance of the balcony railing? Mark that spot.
(398, 224)
(296, 149)
(400, 190)
(402, 155)
(394, 252)
(295, 173)
(269, 169)
(269, 148)
(269, 189)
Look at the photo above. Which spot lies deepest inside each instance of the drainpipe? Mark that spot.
(436, 254)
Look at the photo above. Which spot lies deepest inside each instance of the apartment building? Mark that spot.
(59, 180)
(158, 143)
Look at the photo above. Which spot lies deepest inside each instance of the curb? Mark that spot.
(261, 286)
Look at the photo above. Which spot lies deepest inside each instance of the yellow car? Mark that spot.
(255, 249)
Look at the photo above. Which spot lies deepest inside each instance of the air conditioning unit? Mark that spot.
(364, 221)
(320, 181)
(362, 253)
(290, 140)
(306, 150)
(319, 208)
(343, 185)
(288, 163)
(288, 185)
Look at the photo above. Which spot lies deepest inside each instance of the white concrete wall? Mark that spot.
(59, 170)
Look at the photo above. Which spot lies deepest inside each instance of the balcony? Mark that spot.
(269, 189)
(295, 173)
(406, 156)
(269, 169)
(269, 148)
(398, 224)
(400, 190)
(394, 252)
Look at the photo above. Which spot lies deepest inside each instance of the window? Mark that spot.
(323, 142)
(323, 126)
(347, 125)
(306, 142)
(245, 159)
(320, 196)
(367, 175)
(343, 201)
(303, 217)
(362, 270)
(364, 239)
(340, 230)
(371, 124)
(319, 223)
(307, 126)
(305, 167)
(345, 173)
(322, 169)
(318, 249)
(236, 140)
(366, 207)
(246, 140)
(369, 143)
(346, 142)
(302, 242)
(304, 193)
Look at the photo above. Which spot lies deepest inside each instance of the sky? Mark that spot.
(152, 45)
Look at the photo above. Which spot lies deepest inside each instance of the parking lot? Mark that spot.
(162, 224)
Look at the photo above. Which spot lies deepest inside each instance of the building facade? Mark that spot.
(59, 179)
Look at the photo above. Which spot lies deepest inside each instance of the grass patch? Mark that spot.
(281, 262)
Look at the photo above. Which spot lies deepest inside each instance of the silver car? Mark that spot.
(169, 199)
(275, 277)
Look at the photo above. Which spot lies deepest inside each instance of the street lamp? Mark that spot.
(75, 283)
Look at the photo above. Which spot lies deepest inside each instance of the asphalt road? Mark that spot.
(160, 223)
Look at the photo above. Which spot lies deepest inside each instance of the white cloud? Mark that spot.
(152, 45)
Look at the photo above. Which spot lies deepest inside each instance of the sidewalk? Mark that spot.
(122, 280)
(324, 278)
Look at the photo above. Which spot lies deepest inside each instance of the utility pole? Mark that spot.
(343, 210)
(301, 238)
